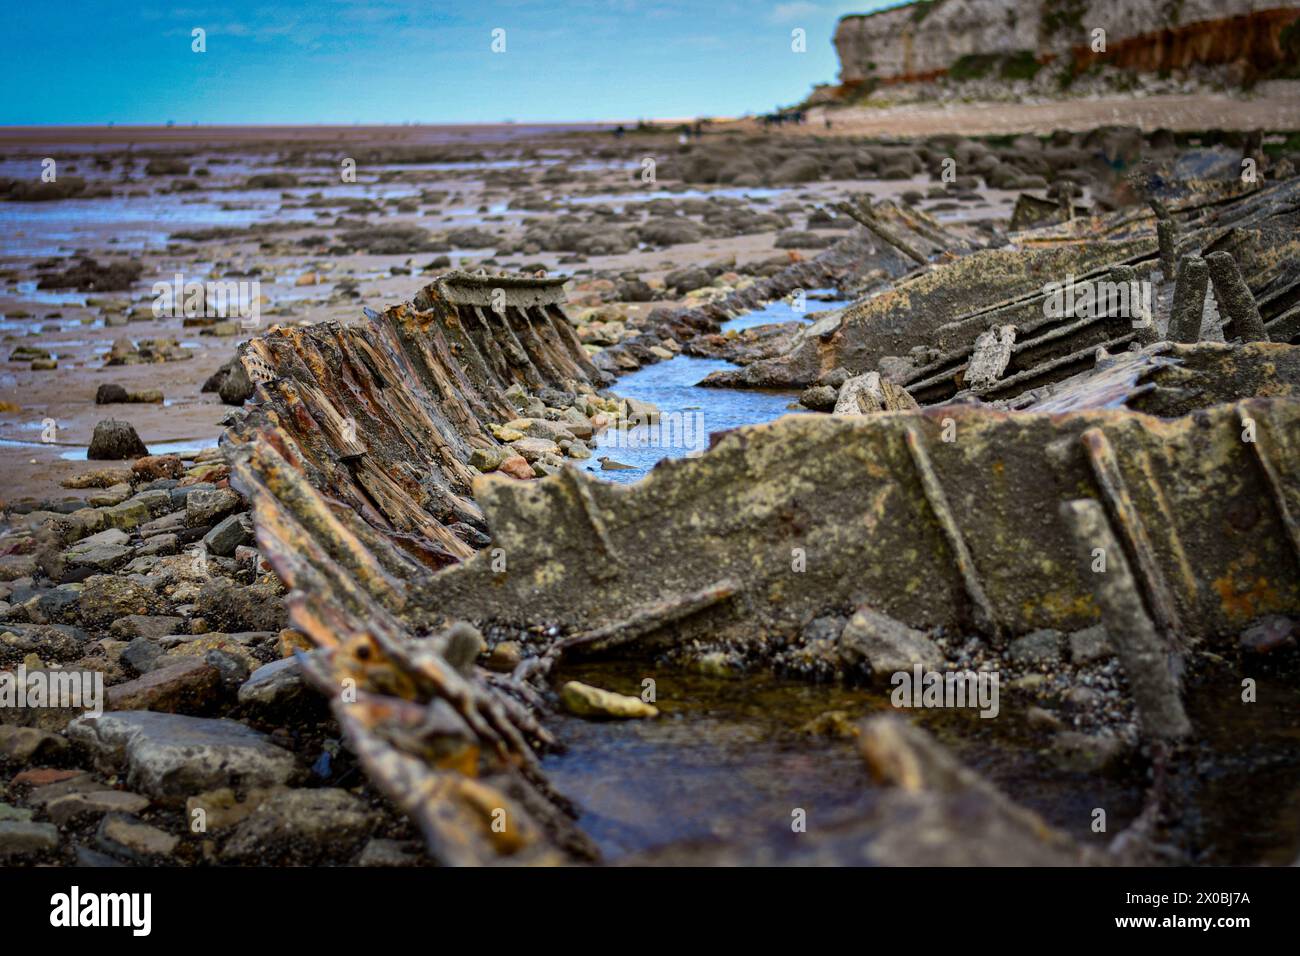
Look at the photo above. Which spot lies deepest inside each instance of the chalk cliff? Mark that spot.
(924, 40)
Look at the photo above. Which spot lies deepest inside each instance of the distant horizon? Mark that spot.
(342, 63)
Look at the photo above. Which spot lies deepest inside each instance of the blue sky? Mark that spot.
(393, 61)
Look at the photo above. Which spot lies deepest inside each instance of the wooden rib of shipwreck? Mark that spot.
(943, 310)
(382, 418)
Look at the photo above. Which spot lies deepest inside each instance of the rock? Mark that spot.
(127, 515)
(21, 839)
(297, 826)
(1039, 647)
(533, 449)
(185, 687)
(114, 441)
(206, 507)
(587, 701)
(232, 608)
(153, 626)
(222, 809)
(229, 534)
(390, 853)
(131, 838)
(235, 660)
(24, 745)
(516, 466)
(1089, 645)
(542, 428)
(1043, 719)
(637, 412)
(1269, 634)
(991, 356)
(52, 783)
(277, 688)
(1087, 753)
(819, 398)
(884, 646)
(170, 757)
(505, 656)
(75, 807)
(105, 598)
(103, 552)
(160, 545)
(237, 387)
(9, 812)
(110, 394)
(142, 654)
(460, 646)
(488, 459)
(153, 467)
(832, 723)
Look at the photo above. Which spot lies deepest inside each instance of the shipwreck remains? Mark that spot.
(1042, 438)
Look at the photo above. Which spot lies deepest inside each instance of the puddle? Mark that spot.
(782, 310)
(185, 448)
(688, 414)
(724, 760)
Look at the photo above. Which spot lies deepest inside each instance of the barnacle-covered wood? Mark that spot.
(850, 493)
(945, 309)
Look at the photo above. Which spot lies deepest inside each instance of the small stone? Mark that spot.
(28, 744)
(186, 687)
(114, 440)
(1090, 644)
(516, 466)
(1269, 634)
(1088, 753)
(1078, 699)
(885, 646)
(153, 626)
(1043, 719)
(277, 688)
(170, 757)
(587, 701)
(9, 812)
(390, 853)
(133, 839)
(1038, 647)
(19, 839)
(152, 467)
(488, 459)
(207, 507)
(45, 777)
(505, 656)
(82, 806)
(534, 448)
(295, 826)
(229, 534)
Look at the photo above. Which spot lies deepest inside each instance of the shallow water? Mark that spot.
(688, 415)
(726, 759)
(783, 310)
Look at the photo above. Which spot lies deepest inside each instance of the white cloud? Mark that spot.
(786, 12)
